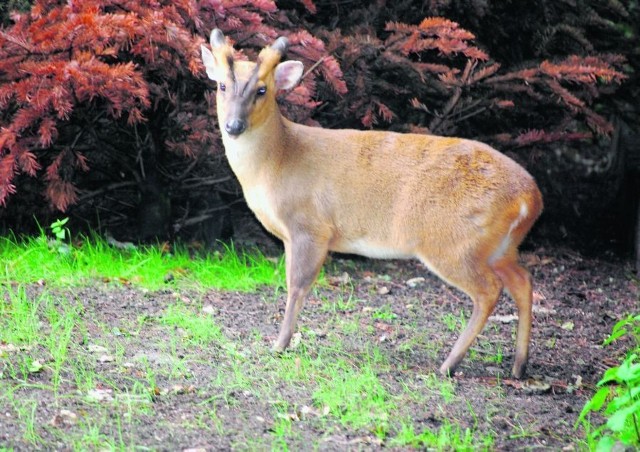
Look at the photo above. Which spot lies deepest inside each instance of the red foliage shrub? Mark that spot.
(105, 95)
(104, 103)
(454, 87)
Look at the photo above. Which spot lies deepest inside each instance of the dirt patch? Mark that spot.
(174, 369)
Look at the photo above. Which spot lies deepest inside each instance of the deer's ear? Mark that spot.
(215, 70)
(288, 74)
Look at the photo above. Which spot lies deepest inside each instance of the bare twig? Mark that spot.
(110, 187)
(315, 65)
(206, 182)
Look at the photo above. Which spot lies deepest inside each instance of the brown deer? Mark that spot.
(458, 205)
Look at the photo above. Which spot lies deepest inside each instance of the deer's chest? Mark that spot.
(265, 209)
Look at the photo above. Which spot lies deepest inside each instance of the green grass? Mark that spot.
(175, 356)
(19, 320)
(199, 329)
(55, 263)
(448, 437)
(356, 397)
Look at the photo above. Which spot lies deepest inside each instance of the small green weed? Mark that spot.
(384, 313)
(454, 322)
(619, 395)
(58, 230)
(199, 329)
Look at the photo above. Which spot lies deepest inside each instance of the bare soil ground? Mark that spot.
(133, 380)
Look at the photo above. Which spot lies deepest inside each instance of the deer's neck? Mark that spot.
(257, 151)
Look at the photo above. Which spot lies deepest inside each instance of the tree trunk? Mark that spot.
(154, 210)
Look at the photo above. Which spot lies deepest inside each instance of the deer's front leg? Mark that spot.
(304, 257)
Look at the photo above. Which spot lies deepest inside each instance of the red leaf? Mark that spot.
(47, 132)
(61, 194)
(28, 163)
(384, 111)
(7, 171)
(309, 5)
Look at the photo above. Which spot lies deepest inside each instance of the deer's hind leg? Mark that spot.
(517, 281)
(483, 286)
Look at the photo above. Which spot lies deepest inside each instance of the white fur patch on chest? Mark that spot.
(265, 210)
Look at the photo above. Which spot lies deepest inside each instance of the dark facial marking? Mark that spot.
(253, 80)
(232, 75)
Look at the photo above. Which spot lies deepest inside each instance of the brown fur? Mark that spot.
(458, 205)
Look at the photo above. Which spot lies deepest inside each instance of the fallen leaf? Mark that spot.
(306, 411)
(179, 389)
(568, 326)
(571, 387)
(344, 278)
(295, 340)
(64, 418)
(537, 297)
(535, 386)
(35, 366)
(542, 310)
(100, 395)
(5, 349)
(503, 318)
(288, 416)
(384, 327)
(414, 282)
(93, 348)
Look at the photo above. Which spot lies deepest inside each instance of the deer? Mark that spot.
(459, 206)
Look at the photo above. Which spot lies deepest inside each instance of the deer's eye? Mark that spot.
(261, 91)
(222, 87)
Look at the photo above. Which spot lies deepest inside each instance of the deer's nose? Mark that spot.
(235, 126)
